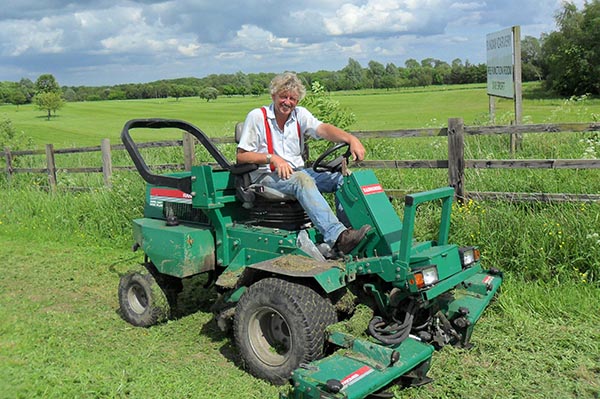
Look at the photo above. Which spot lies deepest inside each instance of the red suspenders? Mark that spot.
(270, 137)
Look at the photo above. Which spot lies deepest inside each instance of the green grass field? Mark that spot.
(61, 335)
(86, 123)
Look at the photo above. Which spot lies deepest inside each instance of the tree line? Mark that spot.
(568, 61)
(352, 77)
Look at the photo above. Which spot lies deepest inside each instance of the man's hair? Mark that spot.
(288, 81)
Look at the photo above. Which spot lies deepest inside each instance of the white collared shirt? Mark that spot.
(286, 143)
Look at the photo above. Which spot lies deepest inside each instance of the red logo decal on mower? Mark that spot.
(157, 195)
(356, 376)
(372, 189)
(488, 279)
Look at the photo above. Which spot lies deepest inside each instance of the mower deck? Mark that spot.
(363, 367)
(358, 369)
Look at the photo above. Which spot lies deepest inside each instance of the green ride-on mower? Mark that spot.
(333, 325)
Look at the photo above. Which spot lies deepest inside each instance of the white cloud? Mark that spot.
(26, 37)
(467, 6)
(94, 41)
(252, 37)
(374, 16)
(388, 17)
(129, 30)
(233, 55)
(189, 50)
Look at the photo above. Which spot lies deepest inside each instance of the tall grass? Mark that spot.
(546, 242)
(98, 217)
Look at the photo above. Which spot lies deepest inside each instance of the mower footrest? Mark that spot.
(357, 370)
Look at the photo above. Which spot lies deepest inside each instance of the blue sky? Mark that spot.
(101, 42)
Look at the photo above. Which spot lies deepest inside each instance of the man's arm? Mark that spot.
(283, 168)
(337, 135)
(244, 156)
(247, 151)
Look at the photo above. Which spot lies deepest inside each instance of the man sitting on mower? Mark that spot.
(273, 137)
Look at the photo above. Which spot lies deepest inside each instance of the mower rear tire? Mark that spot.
(278, 325)
(142, 302)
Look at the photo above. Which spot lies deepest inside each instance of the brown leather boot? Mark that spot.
(350, 238)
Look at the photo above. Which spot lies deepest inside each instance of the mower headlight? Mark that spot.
(469, 255)
(426, 277)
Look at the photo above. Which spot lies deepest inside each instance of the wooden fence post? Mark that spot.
(516, 141)
(106, 162)
(188, 150)
(456, 157)
(51, 166)
(9, 168)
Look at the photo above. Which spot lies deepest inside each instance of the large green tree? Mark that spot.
(242, 83)
(17, 97)
(390, 77)
(48, 101)
(353, 75)
(571, 56)
(376, 73)
(28, 88)
(531, 55)
(48, 95)
(209, 93)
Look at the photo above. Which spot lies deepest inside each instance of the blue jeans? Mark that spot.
(306, 185)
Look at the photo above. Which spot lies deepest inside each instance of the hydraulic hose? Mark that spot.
(394, 333)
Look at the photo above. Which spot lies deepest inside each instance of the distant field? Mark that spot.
(86, 123)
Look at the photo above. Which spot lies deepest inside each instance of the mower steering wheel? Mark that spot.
(335, 165)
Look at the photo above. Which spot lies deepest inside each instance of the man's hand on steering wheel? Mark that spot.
(335, 165)
(357, 150)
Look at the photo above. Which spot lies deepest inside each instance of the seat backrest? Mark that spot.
(238, 131)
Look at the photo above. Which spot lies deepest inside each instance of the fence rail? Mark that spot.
(456, 164)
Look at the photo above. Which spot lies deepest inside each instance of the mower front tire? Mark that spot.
(278, 325)
(142, 302)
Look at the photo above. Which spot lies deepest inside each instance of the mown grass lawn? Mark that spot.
(86, 123)
(61, 336)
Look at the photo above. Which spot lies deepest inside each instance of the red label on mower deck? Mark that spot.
(488, 279)
(356, 376)
(372, 189)
(158, 195)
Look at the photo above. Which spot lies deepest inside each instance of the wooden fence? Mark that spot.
(456, 164)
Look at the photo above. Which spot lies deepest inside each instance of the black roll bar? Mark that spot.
(181, 183)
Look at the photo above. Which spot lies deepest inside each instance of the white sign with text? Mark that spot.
(500, 64)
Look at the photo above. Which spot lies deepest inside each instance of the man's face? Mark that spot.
(285, 102)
